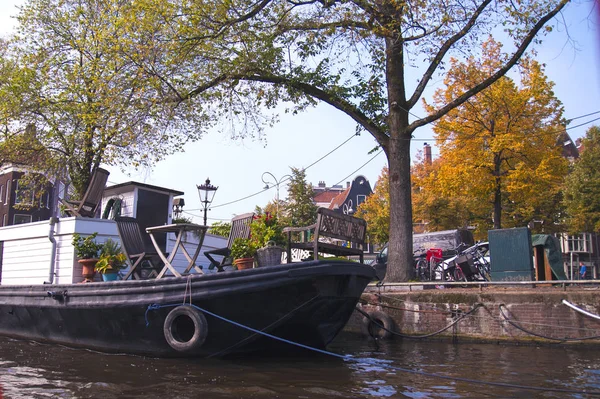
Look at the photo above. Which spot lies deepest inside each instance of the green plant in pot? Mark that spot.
(112, 259)
(87, 250)
(242, 252)
(267, 235)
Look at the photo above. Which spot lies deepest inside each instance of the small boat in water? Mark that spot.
(198, 315)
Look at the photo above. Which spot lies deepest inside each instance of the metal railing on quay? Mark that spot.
(420, 285)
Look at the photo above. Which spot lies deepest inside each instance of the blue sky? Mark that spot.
(571, 54)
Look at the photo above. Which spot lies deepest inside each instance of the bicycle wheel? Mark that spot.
(459, 275)
(483, 271)
(422, 269)
(436, 270)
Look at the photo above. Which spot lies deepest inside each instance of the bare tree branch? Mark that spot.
(493, 78)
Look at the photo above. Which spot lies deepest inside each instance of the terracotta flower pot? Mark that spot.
(244, 263)
(88, 269)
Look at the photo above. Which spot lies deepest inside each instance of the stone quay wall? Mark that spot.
(491, 314)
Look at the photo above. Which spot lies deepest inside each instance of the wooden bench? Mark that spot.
(240, 228)
(334, 233)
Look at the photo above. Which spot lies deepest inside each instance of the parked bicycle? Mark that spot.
(429, 264)
(421, 264)
(470, 264)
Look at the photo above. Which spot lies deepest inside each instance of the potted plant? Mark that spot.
(242, 252)
(111, 260)
(87, 250)
(267, 236)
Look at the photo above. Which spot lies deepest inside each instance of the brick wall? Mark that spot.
(487, 315)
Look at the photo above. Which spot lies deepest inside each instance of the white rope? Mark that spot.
(580, 310)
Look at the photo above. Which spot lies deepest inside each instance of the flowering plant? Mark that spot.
(265, 228)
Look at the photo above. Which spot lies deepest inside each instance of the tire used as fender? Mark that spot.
(185, 328)
(372, 324)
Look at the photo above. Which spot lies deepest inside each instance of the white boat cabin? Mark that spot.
(41, 252)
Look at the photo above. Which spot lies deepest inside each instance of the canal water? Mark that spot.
(394, 369)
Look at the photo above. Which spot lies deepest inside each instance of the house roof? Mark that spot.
(144, 185)
(326, 196)
(339, 199)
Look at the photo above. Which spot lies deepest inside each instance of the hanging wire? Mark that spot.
(312, 164)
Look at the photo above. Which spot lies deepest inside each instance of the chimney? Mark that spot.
(427, 152)
(321, 184)
(347, 184)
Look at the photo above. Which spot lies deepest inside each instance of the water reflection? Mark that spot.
(398, 369)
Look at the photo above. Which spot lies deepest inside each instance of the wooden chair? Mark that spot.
(240, 228)
(133, 246)
(92, 198)
(347, 230)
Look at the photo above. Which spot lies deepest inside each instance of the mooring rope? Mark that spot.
(264, 328)
(477, 306)
(515, 325)
(435, 310)
(585, 312)
(360, 361)
(188, 289)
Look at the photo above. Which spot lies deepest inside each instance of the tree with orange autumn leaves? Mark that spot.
(501, 162)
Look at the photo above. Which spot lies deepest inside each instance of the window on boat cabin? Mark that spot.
(23, 193)
(20, 219)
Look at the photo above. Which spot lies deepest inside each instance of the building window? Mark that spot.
(7, 197)
(45, 201)
(20, 219)
(579, 243)
(1, 192)
(61, 190)
(4, 217)
(23, 194)
(360, 199)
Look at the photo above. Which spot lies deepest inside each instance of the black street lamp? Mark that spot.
(206, 192)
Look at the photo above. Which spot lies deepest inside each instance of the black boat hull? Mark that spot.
(307, 303)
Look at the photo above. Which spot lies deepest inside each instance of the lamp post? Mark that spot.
(277, 183)
(178, 204)
(206, 192)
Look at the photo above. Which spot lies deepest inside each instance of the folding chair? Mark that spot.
(92, 198)
(240, 228)
(132, 244)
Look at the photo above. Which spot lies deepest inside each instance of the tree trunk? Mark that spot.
(498, 204)
(400, 250)
(400, 260)
(498, 191)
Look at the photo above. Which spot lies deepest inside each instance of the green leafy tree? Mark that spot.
(376, 210)
(582, 188)
(220, 228)
(89, 102)
(360, 57)
(300, 209)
